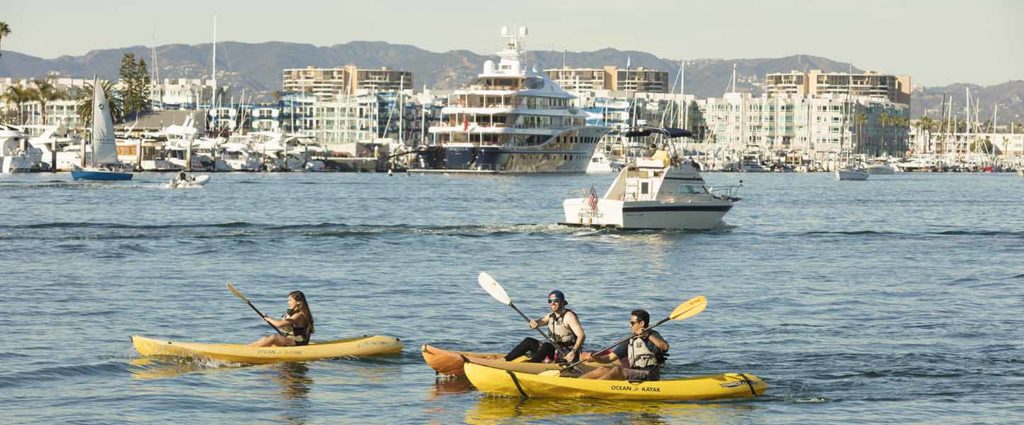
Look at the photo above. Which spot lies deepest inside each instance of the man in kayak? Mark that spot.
(645, 352)
(296, 323)
(563, 326)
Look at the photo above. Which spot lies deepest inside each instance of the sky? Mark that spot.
(936, 42)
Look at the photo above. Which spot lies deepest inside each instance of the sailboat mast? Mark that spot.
(213, 98)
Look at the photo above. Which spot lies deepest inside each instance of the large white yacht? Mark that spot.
(510, 120)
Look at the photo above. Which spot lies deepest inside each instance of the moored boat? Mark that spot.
(712, 387)
(510, 120)
(367, 345)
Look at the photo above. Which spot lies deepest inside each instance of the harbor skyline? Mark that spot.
(913, 37)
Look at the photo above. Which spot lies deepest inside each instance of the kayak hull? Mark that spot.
(369, 345)
(448, 362)
(714, 387)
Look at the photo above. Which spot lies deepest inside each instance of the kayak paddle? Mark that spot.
(243, 298)
(686, 310)
(497, 292)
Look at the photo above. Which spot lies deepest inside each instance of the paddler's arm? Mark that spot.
(543, 321)
(606, 356)
(658, 341)
(287, 321)
(577, 329)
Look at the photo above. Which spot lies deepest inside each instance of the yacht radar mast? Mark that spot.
(511, 62)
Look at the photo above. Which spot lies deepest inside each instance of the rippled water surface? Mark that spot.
(896, 300)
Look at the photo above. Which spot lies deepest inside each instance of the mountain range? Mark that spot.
(256, 67)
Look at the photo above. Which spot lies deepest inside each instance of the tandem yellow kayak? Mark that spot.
(367, 345)
(714, 387)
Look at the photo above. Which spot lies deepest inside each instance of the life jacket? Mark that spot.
(643, 354)
(560, 331)
(299, 334)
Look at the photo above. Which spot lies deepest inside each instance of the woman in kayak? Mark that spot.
(645, 352)
(296, 323)
(564, 327)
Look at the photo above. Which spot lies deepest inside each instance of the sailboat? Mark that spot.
(103, 164)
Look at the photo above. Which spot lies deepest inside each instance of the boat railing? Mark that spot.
(729, 192)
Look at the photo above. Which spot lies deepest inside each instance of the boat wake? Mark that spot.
(233, 230)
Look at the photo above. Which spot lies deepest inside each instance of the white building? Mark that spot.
(818, 126)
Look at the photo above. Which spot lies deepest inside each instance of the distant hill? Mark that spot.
(257, 67)
(1009, 97)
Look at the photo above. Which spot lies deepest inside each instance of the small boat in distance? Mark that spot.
(852, 172)
(104, 165)
(184, 181)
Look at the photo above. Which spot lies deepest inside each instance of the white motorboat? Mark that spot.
(880, 166)
(852, 174)
(600, 163)
(653, 193)
(188, 182)
(16, 153)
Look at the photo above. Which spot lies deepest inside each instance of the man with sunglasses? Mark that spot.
(563, 326)
(645, 352)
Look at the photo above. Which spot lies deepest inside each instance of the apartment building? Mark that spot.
(331, 83)
(610, 78)
(817, 125)
(894, 88)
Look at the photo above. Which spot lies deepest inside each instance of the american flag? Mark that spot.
(592, 198)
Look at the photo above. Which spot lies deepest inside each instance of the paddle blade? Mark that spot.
(237, 292)
(690, 308)
(492, 287)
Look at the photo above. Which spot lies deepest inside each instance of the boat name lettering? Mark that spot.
(629, 388)
(590, 214)
(266, 351)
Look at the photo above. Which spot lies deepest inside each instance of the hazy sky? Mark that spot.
(936, 42)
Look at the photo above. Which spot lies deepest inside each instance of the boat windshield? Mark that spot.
(690, 189)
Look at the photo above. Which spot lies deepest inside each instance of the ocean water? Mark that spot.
(895, 300)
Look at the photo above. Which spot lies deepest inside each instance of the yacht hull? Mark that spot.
(645, 214)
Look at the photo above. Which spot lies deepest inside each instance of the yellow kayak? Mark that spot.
(367, 345)
(713, 387)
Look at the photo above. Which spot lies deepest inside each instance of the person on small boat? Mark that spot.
(296, 323)
(564, 327)
(645, 352)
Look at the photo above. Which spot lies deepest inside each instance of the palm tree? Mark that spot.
(884, 120)
(859, 121)
(19, 95)
(5, 30)
(47, 92)
(85, 103)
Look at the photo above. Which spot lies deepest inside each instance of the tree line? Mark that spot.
(126, 102)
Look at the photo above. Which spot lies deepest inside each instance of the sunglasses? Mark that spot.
(633, 322)
(553, 300)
